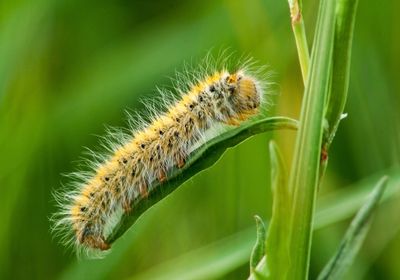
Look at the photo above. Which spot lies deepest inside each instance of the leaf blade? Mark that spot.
(345, 15)
(354, 236)
(304, 176)
(201, 159)
(277, 243)
(259, 247)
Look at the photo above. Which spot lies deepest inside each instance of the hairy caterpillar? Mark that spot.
(148, 153)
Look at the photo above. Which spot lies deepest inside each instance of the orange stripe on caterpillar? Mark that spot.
(148, 154)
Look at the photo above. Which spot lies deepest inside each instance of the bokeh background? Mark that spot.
(67, 68)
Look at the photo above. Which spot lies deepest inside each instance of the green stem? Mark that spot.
(304, 175)
(345, 15)
(299, 32)
(344, 27)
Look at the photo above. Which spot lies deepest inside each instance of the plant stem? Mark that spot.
(344, 27)
(345, 15)
(299, 32)
(304, 174)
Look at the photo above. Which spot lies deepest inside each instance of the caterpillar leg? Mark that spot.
(180, 162)
(244, 116)
(94, 241)
(97, 242)
(162, 176)
(232, 121)
(126, 205)
(240, 117)
(143, 190)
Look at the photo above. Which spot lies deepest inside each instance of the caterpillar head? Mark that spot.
(244, 95)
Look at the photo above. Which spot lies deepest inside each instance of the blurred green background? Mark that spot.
(67, 68)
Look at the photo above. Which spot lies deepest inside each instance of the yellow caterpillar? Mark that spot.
(148, 154)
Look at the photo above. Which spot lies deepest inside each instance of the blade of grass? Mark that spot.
(354, 237)
(257, 273)
(304, 174)
(344, 26)
(299, 33)
(259, 248)
(351, 198)
(202, 158)
(277, 247)
(345, 14)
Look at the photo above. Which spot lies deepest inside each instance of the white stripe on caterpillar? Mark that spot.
(149, 153)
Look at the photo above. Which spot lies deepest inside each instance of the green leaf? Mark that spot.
(259, 248)
(354, 236)
(299, 32)
(304, 176)
(256, 274)
(344, 26)
(277, 243)
(200, 159)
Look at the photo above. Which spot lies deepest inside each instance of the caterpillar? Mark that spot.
(146, 154)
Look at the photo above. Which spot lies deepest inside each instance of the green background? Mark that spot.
(67, 68)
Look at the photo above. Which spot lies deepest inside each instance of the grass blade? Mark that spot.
(344, 26)
(202, 158)
(277, 246)
(304, 175)
(354, 236)
(299, 32)
(259, 248)
(261, 270)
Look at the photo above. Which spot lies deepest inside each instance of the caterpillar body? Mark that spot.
(147, 154)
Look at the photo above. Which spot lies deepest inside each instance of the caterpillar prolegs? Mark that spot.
(147, 154)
